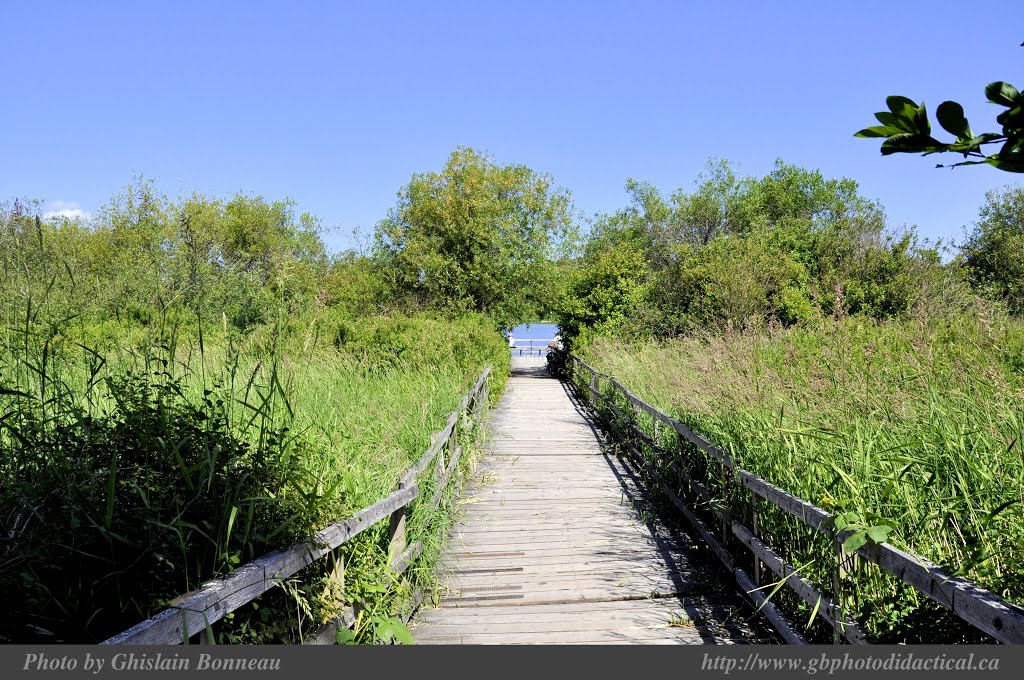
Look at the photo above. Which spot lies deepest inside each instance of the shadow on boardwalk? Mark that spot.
(557, 542)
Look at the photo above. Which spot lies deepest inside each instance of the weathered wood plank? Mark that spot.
(979, 607)
(807, 513)
(826, 607)
(568, 611)
(553, 521)
(771, 612)
(556, 568)
(569, 553)
(218, 598)
(402, 562)
(600, 591)
(666, 618)
(325, 634)
(196, 611)
(679, 635)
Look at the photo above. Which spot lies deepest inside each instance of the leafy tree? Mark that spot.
(906, 129)
(474, 237)
(353, 286)
(144, 257)
(609, 283)
(994, 252)
(714, 209)
(127, 251)
(782, 248)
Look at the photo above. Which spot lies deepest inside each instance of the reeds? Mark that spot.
(131, 474)
(911, 425)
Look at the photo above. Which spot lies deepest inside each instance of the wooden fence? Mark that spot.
(196, 612)
(530, 346)
(980, 608)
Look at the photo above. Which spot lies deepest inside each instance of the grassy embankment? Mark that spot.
(913, 425)
(131, 474)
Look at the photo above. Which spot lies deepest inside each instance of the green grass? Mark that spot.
(130, 475)
(908, 424)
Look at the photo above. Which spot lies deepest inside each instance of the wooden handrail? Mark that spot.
(979, 607)
(198, 610)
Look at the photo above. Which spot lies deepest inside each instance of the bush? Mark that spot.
(994, 252)
(149, 501)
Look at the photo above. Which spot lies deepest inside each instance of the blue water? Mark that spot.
(522, 335)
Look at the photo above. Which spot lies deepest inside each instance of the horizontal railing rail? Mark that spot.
(195, 612)
(530, 346)
(982, 609)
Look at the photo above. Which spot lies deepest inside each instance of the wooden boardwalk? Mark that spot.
(556, 544)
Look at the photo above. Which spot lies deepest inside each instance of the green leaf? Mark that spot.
(814, 612)
(344, 636)
(14, 393)
(1010, 147)
(382, 631)
(879, 131)
(986, 137)
(1001, 93)
(966, 146)
(887, 118)
(921, 121)
(878, 534)
(951, 117)
(902, 107)
(912, 143)
(995, 513)
(393, 630)
(855, 541)
(1009, 165)
(402, 634)
(1012, 118)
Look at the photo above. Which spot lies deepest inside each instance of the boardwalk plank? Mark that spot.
(550, 547)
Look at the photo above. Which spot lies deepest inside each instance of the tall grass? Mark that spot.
(915, 425)
(131, 473)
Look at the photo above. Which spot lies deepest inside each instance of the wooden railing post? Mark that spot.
(397, 535)
(845, 563)
(755, 526)
(725, 503)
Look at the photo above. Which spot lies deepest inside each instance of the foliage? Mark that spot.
(152, 471)
(146, 501)
(906, 129)
(144, 257)
(994, 252)
(782, 249)
(907, 430)
(186, 385)
(473, 237)
(607, 283)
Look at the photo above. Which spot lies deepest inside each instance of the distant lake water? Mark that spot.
(522, 335)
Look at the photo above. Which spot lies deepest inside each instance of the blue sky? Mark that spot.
(336, 104)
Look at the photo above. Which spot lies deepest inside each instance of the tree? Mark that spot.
(783, 248)
(609, 283)
(994, 252)
(906, 129)
(474, 237)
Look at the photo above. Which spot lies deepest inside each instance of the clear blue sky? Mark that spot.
(335, 104)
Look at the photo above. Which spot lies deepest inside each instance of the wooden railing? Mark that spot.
(196, 612)
(530, 346)
(980, 608)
